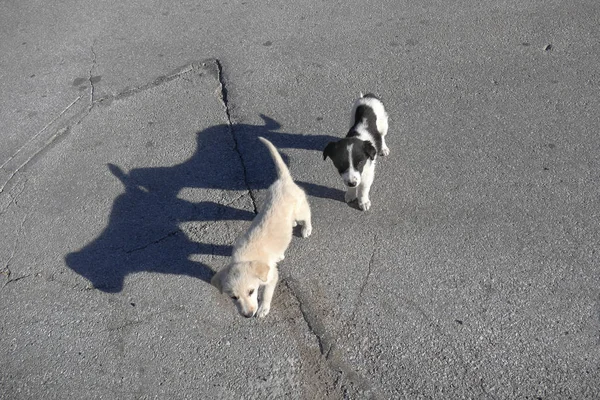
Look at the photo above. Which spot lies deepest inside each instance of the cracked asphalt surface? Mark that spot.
(129, 164)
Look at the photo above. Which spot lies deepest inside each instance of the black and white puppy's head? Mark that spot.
(349, 156)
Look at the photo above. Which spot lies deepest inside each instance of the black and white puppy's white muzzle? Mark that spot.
(349, 156)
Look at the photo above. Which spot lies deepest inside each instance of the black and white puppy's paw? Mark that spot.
(385, 151)
(364, 205)
(354, 156)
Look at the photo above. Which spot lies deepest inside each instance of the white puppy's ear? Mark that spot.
(216, 281)
(260, 269)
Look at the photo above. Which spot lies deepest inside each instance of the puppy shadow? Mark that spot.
(320, 191)
(144, 231)
(354, 204)
(144, 235)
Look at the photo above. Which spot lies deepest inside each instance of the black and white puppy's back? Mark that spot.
(354, 156)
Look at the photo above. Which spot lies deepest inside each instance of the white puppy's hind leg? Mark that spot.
(265, 305)
(303, 217)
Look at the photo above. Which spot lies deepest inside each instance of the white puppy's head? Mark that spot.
(241, 282)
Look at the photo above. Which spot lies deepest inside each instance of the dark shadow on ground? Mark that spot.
(143, 232)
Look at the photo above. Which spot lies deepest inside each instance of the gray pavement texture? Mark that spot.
(129, 164)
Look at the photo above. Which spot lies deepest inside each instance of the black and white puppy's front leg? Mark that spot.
(368, 173)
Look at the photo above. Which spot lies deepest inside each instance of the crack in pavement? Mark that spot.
(234, 200)
(168, 235)
(40, 132)
(47, 143)
(90, 78)
(6, 269)
(314, 325)
(225, 101)
(326, 342)
(366, 280)
(13, 199)
(16, 279)
(177, 73)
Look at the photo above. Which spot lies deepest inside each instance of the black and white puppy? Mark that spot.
(354, 156)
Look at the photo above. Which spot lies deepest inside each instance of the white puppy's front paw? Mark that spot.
(350, 195)
(364, 204)
(281, 258)
(263, 310)
(306, 230)
(385, 151)
(294, 224)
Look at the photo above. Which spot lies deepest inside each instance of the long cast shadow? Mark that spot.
(144, 233)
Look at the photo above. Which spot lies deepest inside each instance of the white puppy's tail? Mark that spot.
(282, 169)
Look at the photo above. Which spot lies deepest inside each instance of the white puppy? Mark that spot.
(257, 252)
(354, 156)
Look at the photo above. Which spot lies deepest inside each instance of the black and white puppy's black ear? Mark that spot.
(369, 149)
(328, 149)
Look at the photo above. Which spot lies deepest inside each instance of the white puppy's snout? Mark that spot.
(247, 311)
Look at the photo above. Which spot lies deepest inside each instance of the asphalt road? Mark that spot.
(129, 164)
